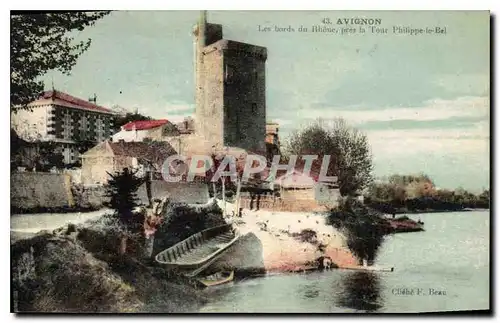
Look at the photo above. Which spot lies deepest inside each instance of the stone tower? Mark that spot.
(230, 89)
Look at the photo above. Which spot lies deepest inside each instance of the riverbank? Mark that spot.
(406, 211)
(78, 268)
(430, 206)
(459, 266)
(284, 241)
(86, 254)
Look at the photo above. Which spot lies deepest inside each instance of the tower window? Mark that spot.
(230, 71)
(254, 107)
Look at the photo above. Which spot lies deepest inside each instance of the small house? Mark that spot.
(109, 157)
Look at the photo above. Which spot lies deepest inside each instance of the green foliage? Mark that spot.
(50, 155)
(44, 155)
(41, 42)
(363, 227)
(16, 142)
(417, 192)
(83, 142)
(122, 192)
(349, 149)
(405, 180)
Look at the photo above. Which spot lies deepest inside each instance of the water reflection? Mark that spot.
(360, 291)
(311, 291)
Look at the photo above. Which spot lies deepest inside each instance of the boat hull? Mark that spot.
(217, 279)
(369, 268)
(200, 250)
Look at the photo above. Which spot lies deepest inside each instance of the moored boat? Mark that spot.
(200, 250)
(369, 268)
(219, 278)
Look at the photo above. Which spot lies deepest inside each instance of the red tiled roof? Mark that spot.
(143, 125)
(74, 101)
(154, 152)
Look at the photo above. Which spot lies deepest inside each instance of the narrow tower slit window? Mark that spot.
(229, 77)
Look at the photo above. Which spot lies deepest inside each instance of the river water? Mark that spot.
(445, 268)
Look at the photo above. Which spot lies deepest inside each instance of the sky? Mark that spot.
(422, 100)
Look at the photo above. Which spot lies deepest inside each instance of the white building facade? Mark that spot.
(64, 119)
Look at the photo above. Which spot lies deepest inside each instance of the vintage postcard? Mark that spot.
(250, 161)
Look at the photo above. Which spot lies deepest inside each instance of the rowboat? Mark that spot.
(369, 268)
(199, 251)
(217, 278)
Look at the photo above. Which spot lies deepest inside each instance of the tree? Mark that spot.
(484, 199)
(349, 149)
(363, 228)
(40, 42)
(49, 155)
(485, 195)
(121, 190)
(43, 155)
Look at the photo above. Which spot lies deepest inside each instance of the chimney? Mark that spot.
(93, 99)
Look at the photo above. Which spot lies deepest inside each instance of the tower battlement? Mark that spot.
(237, 48)
(213, 33)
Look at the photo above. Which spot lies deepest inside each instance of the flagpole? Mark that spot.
(224, 195)
(238, 190)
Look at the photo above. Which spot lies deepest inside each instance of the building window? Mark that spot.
(67, 126)
(254, 107)
(83, 124)
(99, 130)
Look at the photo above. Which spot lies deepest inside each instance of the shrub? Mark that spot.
(363, 227)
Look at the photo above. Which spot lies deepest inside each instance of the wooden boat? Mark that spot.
(369, 268)
(217, 279)
(200, 250)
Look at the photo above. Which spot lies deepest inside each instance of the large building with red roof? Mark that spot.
(65, 119)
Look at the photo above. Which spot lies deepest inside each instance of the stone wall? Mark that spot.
(211, 110)
(75, 175)
(298, 194)
(89, 196)
(192, 193)
(244, 95)
(40, 190)
(270, 203)
(56, 191)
